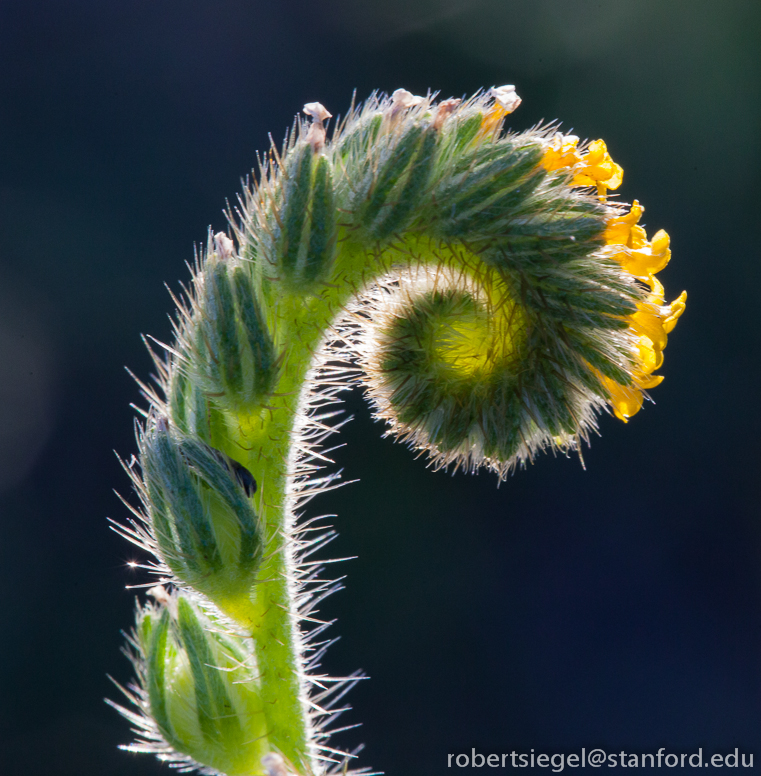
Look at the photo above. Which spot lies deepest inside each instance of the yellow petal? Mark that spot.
(596, 152)
(674, 311)
(582, 179)
(561, 152)
(660, 242)
(624, 401)
(656, 290)
(492, 121)
(617, 178)
(617, 233)
(619, 227)
(644, 261)
(648, 324)
(650, 382)
(637, 237)
(598, 168)
(650, 358)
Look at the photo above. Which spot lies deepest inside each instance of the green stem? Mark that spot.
(264, 444)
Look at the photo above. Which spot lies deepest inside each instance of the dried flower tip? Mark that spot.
(505, 97)
(317, 112)
(445, 109)
(316, 134)
(402, 99)
(224, 246)
(505, 102)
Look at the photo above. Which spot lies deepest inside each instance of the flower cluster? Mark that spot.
(626, 242)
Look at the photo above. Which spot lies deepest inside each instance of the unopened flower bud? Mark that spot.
(204, 524)
(307, 225)
(200, 691)
(234, 351)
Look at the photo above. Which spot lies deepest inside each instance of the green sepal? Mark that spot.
(307, 244)
(494, 178)
(198, 543)
(355, 146)
(161, 524)
(257, 337)
(154, 640)
(467, 130)
(216, 716)
(411, 192)
(322, 226)
(389, 174)
(218, 475)
(603, 363)
(222, 328)
(178, 392)
(189, 407)
(295, 211)
(504, 424)
(552, 400)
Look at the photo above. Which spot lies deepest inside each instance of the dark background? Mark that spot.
(617, 607)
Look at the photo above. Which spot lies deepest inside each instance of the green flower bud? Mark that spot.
(392, 190)
(232, 348)
(307, 240)
(406, 198)
(200, 688)
(202, 519)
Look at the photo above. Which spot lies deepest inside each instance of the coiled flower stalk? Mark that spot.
(488, 295)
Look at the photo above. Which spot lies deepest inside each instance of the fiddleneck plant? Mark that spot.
(479, 284)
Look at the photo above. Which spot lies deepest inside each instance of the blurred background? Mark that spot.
(615, 607)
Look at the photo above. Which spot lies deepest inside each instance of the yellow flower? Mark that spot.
(594, 168)
(654, 319)
(652, 323)
(624, 401)
(619, 230)
(598, 169)
(561, 152)
(628, 244)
